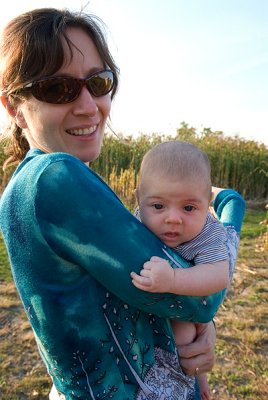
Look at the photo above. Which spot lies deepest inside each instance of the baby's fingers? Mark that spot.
(156, 259)
(146, 273)
(147, 265)
(141, 282)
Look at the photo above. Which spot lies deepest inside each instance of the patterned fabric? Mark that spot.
(72, 246)
(182, 385)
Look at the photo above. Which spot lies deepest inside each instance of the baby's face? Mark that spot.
(175, 211)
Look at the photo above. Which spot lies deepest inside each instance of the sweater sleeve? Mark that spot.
(229, 206)
(84, 223)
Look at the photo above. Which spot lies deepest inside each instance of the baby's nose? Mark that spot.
(174, 217)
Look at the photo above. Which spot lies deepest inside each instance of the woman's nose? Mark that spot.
(85, 104)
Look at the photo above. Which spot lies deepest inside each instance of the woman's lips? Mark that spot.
(82, 131)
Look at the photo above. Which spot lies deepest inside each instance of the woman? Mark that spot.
(71, 242)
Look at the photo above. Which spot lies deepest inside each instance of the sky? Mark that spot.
(204, 62)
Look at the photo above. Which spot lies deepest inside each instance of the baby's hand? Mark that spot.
(157, 276)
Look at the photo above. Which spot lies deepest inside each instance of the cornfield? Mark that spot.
(235, 162)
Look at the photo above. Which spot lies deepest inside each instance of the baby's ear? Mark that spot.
(10, 109)
(211, 197)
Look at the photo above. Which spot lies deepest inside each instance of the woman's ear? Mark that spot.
(14, 112)
(10, 109)
(20, 121)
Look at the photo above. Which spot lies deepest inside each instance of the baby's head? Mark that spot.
(176, 160)
(174, 191)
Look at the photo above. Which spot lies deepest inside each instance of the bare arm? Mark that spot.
(158, 276)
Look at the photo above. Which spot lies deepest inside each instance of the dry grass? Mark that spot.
(23, 375)
(241, 370)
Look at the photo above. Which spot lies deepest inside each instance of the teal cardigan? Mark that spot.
(72, 245)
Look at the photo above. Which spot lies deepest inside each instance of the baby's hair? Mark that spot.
(176, 160)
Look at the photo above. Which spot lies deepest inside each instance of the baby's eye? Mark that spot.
(189, 208)
(158, 206)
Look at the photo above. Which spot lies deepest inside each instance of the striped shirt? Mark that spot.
(209, 246)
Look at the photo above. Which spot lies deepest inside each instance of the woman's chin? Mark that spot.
(88, 157)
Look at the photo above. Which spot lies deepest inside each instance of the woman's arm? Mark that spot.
(229, 207)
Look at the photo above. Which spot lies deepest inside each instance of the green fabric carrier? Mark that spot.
(72, 245)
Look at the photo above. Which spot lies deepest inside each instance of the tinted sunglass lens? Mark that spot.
(57, 91)
(101, 83)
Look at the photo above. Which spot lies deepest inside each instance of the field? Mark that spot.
(241, 370)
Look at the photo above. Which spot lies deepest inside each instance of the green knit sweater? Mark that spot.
(72, 245)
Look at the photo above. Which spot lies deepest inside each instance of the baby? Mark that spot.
(174, 195)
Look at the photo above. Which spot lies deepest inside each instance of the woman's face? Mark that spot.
(76, 128)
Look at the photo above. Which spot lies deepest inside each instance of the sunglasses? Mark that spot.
(62, 90)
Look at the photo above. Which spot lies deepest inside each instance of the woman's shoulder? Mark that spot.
(38, 163)
(44, 171)
(39, 157)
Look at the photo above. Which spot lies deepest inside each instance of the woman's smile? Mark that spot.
(82, 131)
